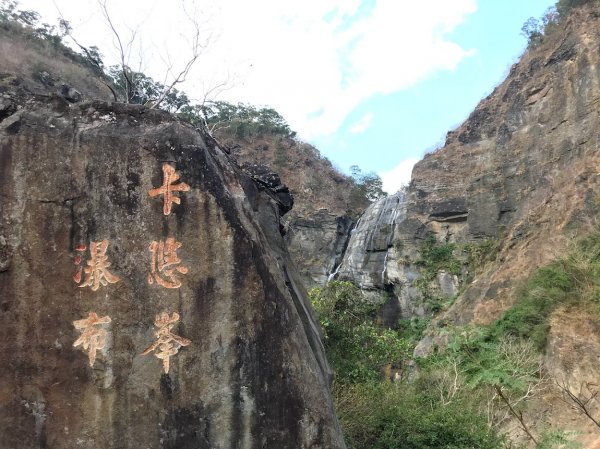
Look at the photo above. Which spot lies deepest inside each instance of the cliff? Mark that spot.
(521, 171)
(522, 168)
(519, 181)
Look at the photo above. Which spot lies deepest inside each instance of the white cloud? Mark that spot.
(362, 124)
(398, 176)
(310, 64)
(314, 61)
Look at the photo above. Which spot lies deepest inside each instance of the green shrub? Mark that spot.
(573, 280)
(437, 256)
(393, 416)
(481, 253)
(357, 348)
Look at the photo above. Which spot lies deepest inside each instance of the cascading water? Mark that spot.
(399, 212)
(337, 263)
(366, 258)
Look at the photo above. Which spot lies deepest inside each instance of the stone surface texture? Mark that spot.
(523, 168)
(366, 258)
(317, 243)
(254, 374)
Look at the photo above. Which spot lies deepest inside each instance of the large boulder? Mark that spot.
(147, 299)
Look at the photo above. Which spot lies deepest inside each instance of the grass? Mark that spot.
(571, 281)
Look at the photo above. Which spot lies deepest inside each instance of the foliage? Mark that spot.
(558, 439)
(357, 348)
(29, 20)
(143, 89)
(413, 328)
(533, 30)
(425, 412)
(490, 361)
(453, 400)
(479, 254)
(573, 280)
(409, 416)
(241, 120)
(369, 184)
(436, 256)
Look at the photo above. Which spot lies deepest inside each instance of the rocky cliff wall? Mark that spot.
(521, 170)
(147, 298)
(521, 173)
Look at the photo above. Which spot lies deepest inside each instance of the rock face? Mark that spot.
(148, 300)
(522, 171)
(317, 243)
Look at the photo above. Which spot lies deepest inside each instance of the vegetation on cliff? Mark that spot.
(572, 282)
(479, 380)
(535, 30)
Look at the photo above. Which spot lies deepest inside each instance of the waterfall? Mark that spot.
(337, 261)
(366, 259)
(384, 268)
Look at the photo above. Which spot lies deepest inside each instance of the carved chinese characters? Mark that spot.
(168, 189)
(167, 343)
(165, 263)
(93, 336)
(166, 270)
(96, 272)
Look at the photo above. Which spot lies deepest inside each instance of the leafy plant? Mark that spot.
(240, 120)
(558, 439)
(369, 184)
(357, 348)
(479, 254)
(572, 280)
(409, 416)
(437, 256)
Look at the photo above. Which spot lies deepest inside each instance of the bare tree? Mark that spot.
(583, 399)
(197, 46)
(124, 52)
(131, 85)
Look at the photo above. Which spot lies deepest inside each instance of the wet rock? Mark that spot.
(365, 260)
(272, 182)
(7, 108)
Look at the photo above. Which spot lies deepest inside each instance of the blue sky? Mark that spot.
(373, 83)
(405, 124)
